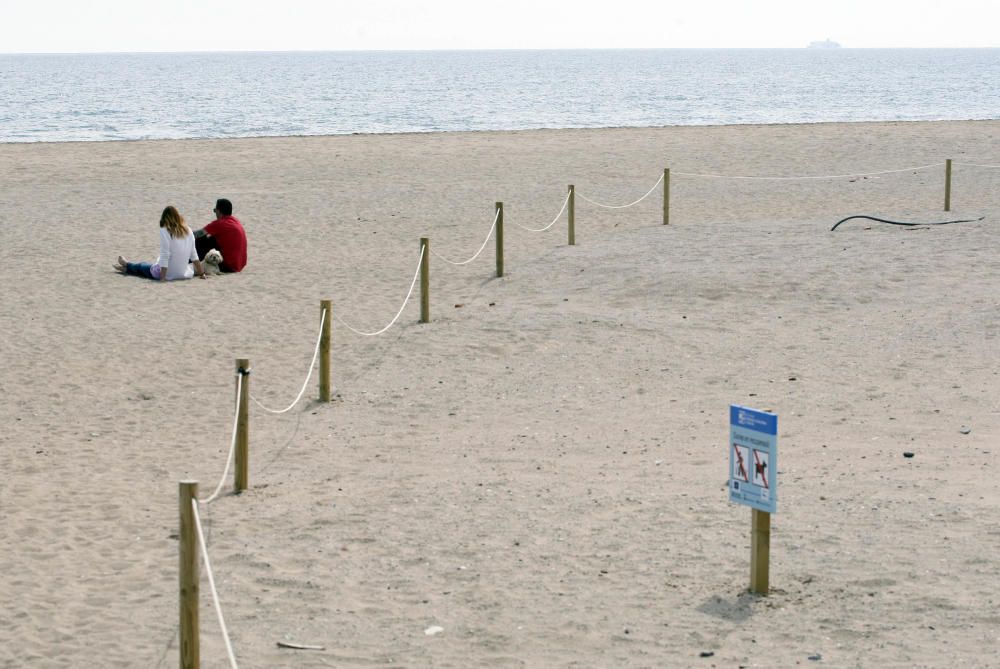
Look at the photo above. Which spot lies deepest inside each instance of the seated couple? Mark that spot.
(179, 246)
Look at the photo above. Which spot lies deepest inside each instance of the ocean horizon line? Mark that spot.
(216, 94)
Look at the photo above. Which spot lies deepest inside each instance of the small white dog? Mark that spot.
(212, 261)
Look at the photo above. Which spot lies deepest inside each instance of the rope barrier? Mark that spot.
(423, 249)
(211, 583)
(565, 203)
(624, 206)
(232, 445)
(466, 262)
(312, 366)
(831, 176)
(989, 167)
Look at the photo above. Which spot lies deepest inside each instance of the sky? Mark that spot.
(71, 26)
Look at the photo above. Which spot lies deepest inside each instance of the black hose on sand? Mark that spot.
(882, 220)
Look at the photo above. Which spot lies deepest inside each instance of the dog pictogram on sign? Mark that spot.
(760, 468)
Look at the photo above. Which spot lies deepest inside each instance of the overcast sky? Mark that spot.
(60, 26)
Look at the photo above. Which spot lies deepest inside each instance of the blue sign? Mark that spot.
(753, 458)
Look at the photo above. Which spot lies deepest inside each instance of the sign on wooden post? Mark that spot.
(753, 481)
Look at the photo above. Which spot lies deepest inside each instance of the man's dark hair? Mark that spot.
(224, 206)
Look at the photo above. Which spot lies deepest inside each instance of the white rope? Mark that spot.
(312, 366)
(832, 176)
(989, 167)
(232, 445)
(466, 262)
(423, 249)
(624, 206)
(565, 202)
(211, 583)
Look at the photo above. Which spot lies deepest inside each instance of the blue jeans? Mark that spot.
(139, 269)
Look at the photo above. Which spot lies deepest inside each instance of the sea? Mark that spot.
(104, 97)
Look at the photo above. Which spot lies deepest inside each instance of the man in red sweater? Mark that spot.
(227, 235)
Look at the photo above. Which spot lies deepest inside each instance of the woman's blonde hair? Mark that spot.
(172, 220)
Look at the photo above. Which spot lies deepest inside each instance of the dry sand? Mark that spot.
(540, 471)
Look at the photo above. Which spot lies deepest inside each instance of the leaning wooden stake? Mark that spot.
(666, 196)
(947, 185)
(572, 215)
(241, 475)
(425, 280)
(499, 215)
(324, 351)
(189, 578)
(760, 552)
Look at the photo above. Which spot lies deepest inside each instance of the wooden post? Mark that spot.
(572, 215)
(425, 280)
(241, 478)
(947, 185)
(189, 578)
(760, 551)
(666, 196)
(324, 351)
(499, 215)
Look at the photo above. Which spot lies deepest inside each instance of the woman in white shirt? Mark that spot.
(177, 249)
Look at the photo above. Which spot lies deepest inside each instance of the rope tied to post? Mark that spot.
(312, 366)
(805, 178)
(476, 254)
(232, 444)
(623, 206)
(211, 583)
(554, 220)
(988, 167)
(423, 250)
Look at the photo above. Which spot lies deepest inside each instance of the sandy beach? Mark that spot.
(536, 477)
